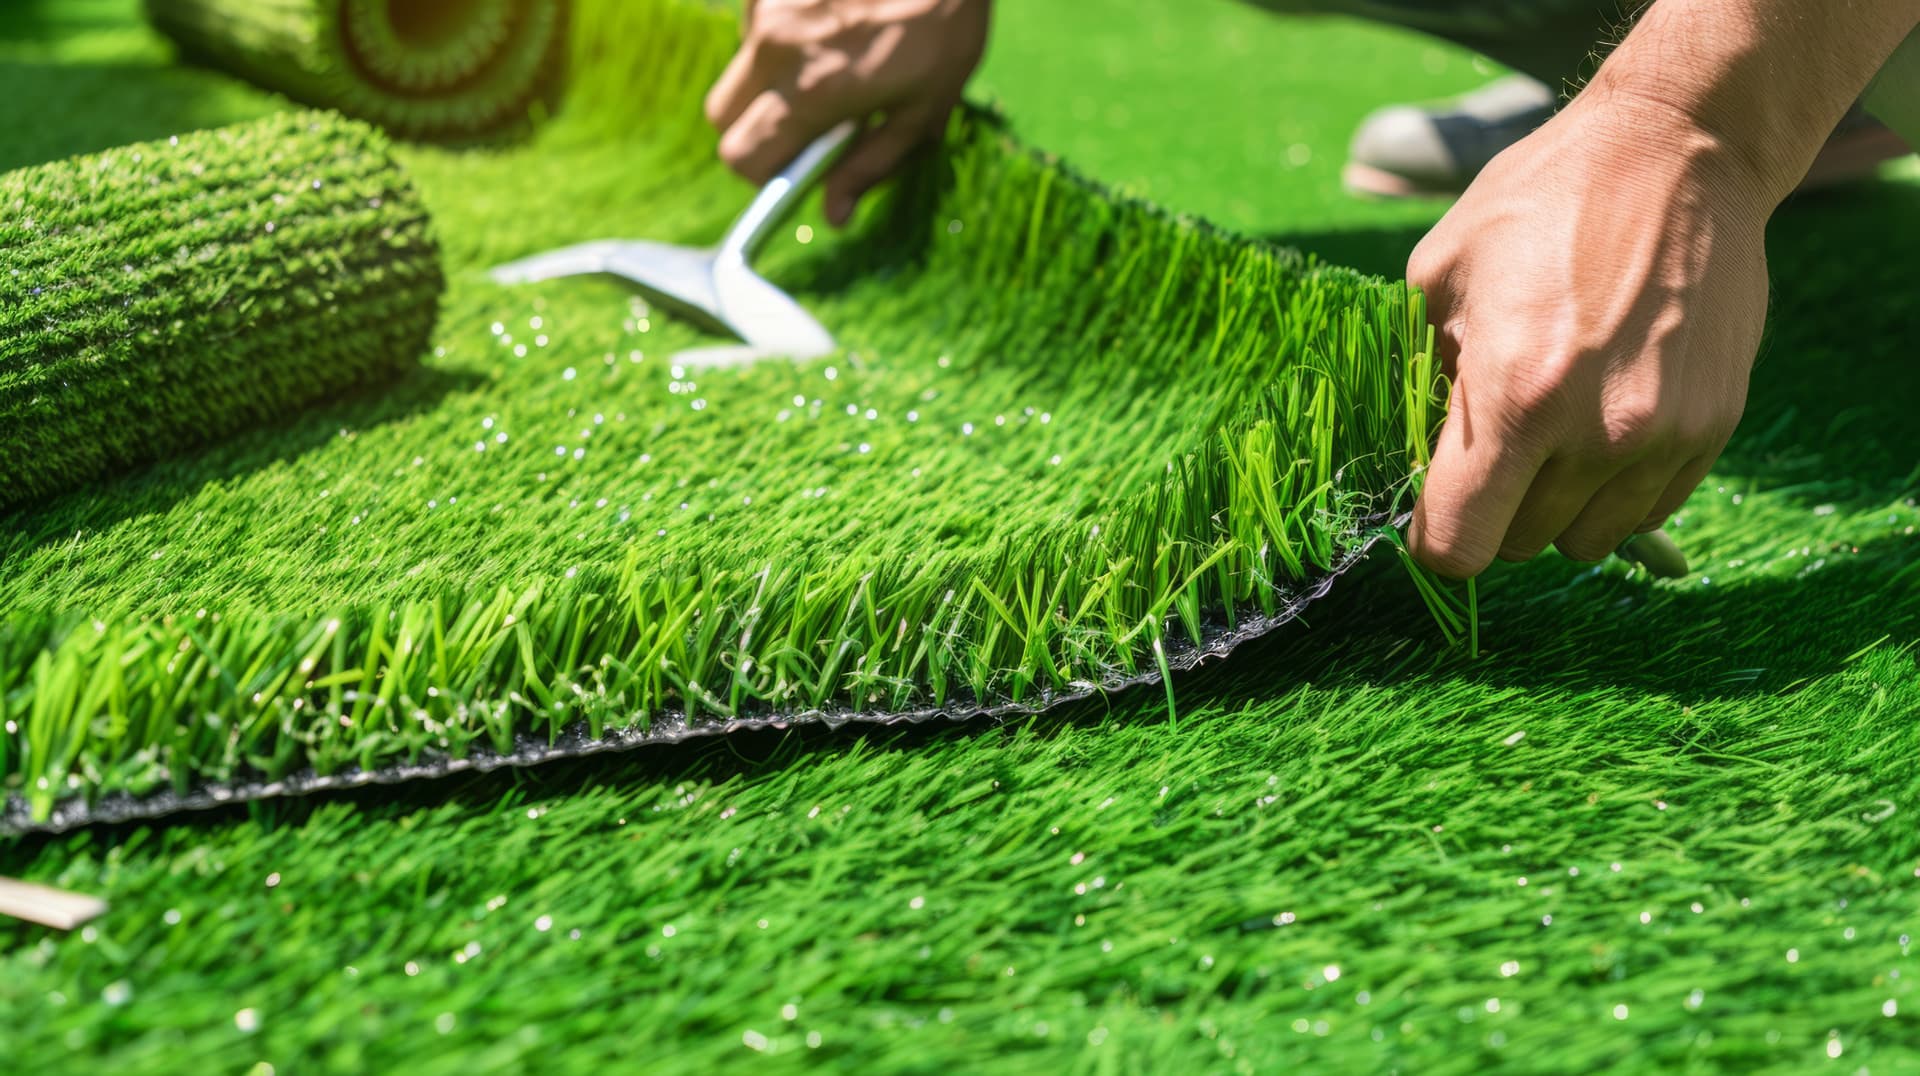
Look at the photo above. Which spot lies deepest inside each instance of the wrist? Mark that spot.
(1753, 167)
(1646, 142)
(1762, 80)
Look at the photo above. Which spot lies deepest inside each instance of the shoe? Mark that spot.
(1405, 151)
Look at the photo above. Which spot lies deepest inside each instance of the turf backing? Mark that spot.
(1354, 799)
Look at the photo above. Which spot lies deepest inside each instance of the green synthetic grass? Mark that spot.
(1742, 740)
(159, 295)
(981, 501)
(428, 68)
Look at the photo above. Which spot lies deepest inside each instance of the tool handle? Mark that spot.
(779, 196)
(47, 906)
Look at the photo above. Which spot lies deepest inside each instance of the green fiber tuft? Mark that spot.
(424, 68)
(156, 296)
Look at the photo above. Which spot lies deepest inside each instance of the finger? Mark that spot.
(875, 156)
(1434, 278)
(1614, 513)
(1676, 493)
(1473, 487)
(766, 137)
(745, 77)
(1558, 495)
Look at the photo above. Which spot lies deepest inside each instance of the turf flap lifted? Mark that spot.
(1070, 442)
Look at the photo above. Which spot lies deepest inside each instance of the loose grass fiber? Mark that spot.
(983, 502)
(156, 296)
(428, 68)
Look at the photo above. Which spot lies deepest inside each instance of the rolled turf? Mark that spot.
(159, 295)
(427, 68)
(979, 502)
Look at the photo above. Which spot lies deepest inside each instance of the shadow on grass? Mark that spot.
(155, 488)
(1552, 626)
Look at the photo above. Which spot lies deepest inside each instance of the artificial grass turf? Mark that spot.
(981, 502)
(1767, 703)
(432, 68)
(158, 295)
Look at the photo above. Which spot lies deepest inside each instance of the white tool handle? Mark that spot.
(47, 906)
(779, 196)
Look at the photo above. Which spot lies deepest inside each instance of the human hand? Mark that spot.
(808, 64)
(1599, 293)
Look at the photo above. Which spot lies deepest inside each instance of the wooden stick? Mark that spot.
(46, 906)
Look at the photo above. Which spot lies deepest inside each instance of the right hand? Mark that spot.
(1599, 293)
(808, 64)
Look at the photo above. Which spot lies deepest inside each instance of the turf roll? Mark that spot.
(420, 68)
(162, 294)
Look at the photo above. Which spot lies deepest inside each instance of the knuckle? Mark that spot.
(1703, 433)
(1455, 565)
(1426, 267)
(772, 34)
(1582, 553)
(824, 74)
(1453, 559)
(1532, 394)
(1518, 554)
(1630, 428)
(789, 28)
(737, 149)
(1584, 548)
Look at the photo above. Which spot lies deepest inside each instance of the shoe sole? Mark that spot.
(1371, 182)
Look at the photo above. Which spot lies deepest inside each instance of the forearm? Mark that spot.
(1764, 79)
